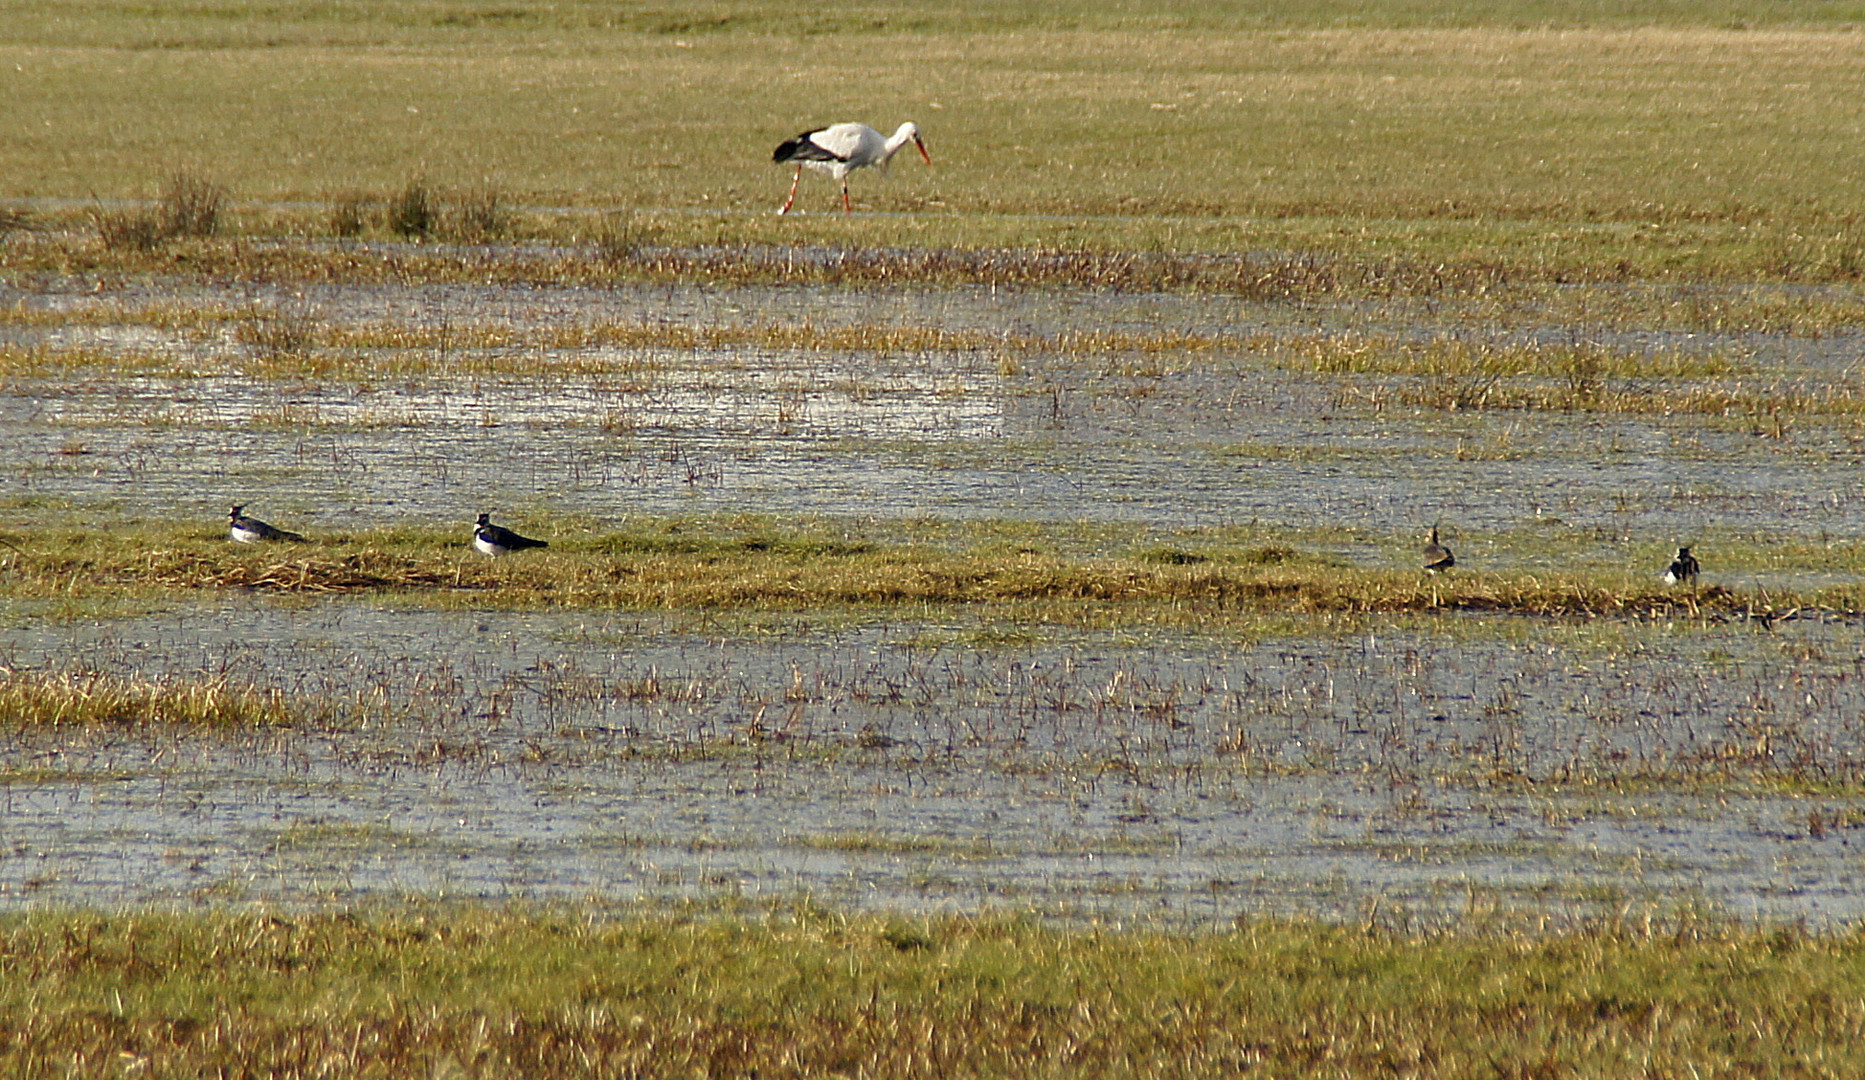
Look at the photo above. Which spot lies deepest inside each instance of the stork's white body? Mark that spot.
(840, 149)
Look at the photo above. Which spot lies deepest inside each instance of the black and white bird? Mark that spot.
(496, 540)
(1438, 558)
(248, 530)
(840, 149)
(1683, 569)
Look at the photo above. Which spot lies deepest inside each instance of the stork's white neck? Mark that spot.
(902, 135)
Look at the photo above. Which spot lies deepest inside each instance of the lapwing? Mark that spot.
(496, 540)
(1683, 569)
(1438, 558)
(248, 530)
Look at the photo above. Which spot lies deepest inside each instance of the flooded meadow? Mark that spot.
(938, 758)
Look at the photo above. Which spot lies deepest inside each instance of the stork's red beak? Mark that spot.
(922, 146)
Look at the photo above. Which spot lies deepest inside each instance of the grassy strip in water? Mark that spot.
(671, 566)
(1504, 277)
(82, 698)
(1443, 373)
(493, 993)
(297, 344)
(85, 698)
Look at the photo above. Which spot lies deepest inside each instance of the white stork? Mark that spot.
(840, 149)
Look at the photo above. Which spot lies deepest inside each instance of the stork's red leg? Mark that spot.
(785, 209)
(847, 207)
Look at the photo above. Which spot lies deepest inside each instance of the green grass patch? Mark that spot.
(751, 565)
(493, 992)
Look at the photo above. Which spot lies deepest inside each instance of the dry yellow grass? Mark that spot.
(1212, 119)
(78, 698)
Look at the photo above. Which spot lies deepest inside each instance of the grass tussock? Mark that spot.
(350, 212)
(89, 699)
(413, 212)
(12, 221)
(190, 206)
(128, 230)
(479, 215)
(277, 335)
(507, 993)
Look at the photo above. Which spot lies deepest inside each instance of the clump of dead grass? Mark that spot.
(277, 334)
(350, 213)
(12, 221)
(190, 206)
(479, 215)
(128, 230)
(622, 238)
(355, 572)
(414, 211)
(35, 699)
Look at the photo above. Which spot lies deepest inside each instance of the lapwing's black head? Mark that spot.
(497, 540)
(1683, 569)
(248, 530)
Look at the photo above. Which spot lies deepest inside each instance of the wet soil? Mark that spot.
(1206, 441)
(895, 766)
(915, 763)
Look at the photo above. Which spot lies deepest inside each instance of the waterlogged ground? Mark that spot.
(1192, 440)
(920, 766)
(916, 760)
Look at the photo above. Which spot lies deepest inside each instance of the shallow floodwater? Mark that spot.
(901, 764)
(895, 766)
(1173, 442)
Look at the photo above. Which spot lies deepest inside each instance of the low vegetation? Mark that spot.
(1427, 209)
(511, 992)
(77, 698)
(1361, 370)
(756, 564)
(189, 208)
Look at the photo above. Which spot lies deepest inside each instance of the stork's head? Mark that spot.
(910, 131)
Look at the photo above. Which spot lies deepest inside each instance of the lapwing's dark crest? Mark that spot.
(1683, 569)
(247, 530)
(496, 540)
(1438, 558)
